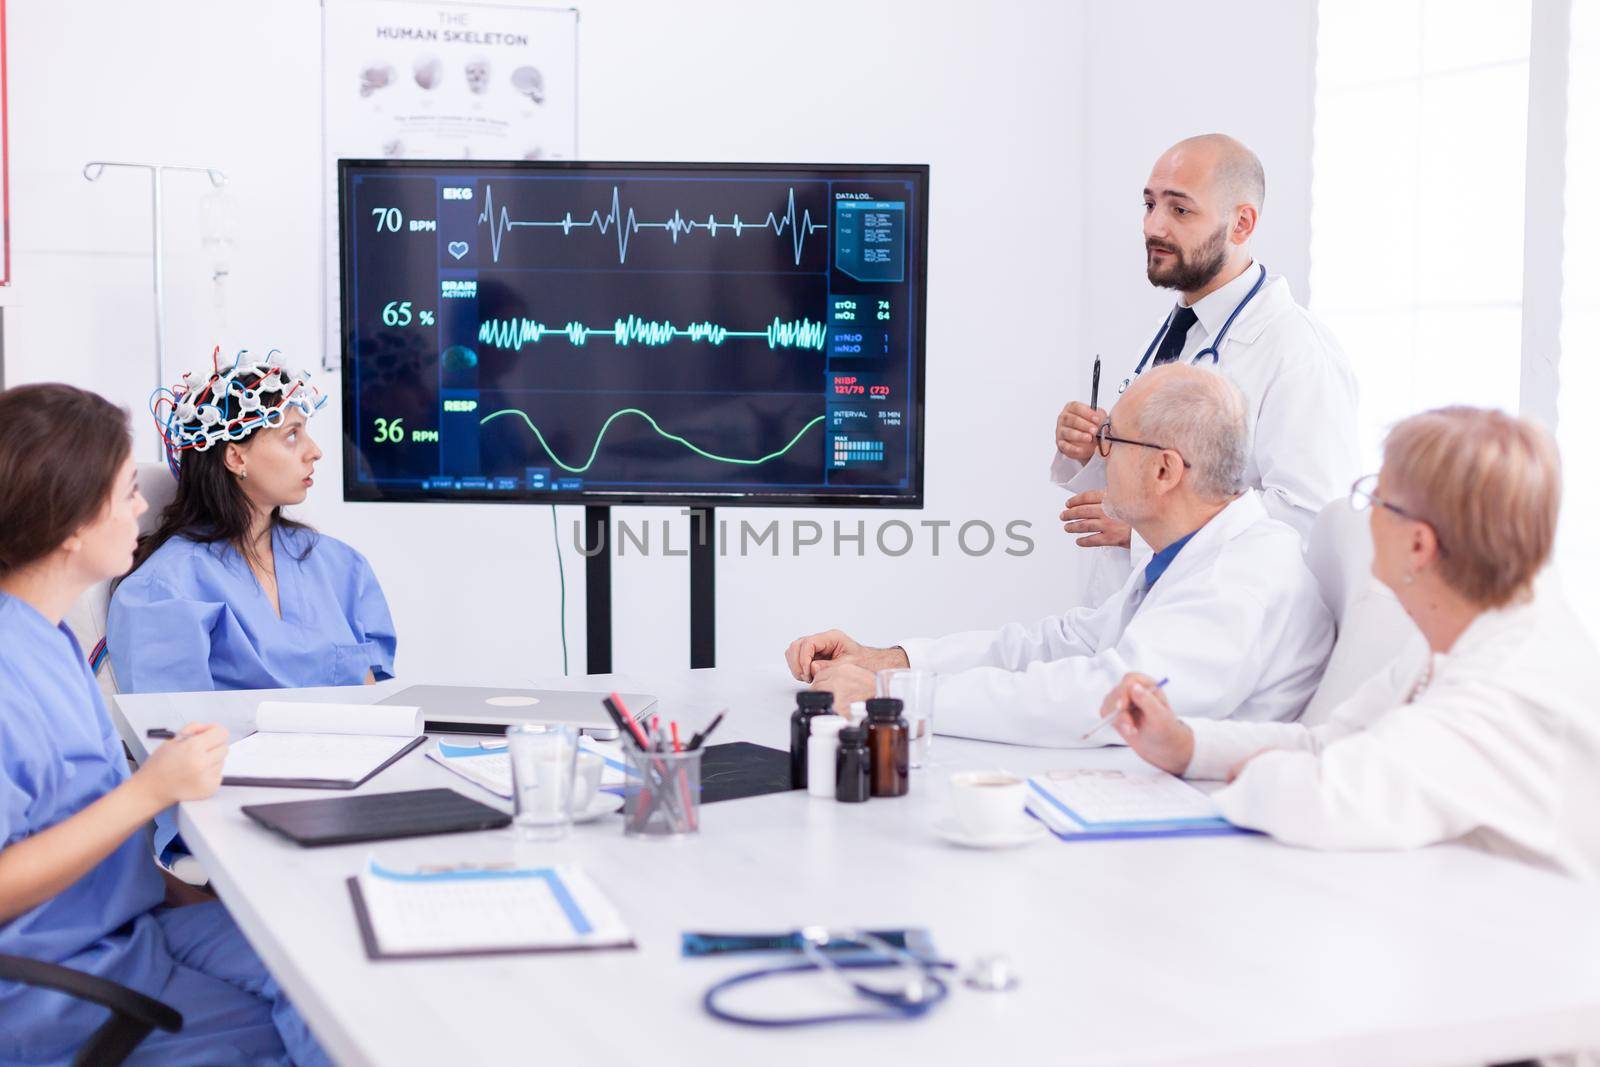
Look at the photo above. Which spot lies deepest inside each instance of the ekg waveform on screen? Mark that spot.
(624, 226)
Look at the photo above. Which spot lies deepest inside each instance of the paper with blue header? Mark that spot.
(468, 911)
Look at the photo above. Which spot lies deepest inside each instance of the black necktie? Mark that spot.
(1177, 333)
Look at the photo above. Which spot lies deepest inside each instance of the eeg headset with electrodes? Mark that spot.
(228, 405)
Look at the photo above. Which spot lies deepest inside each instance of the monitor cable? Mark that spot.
(561, 571)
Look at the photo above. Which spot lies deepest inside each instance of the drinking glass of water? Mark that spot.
(915, 690)
(544, 761)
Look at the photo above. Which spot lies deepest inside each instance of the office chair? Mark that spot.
(1373, 629)
(133, 1015)
(87, 619)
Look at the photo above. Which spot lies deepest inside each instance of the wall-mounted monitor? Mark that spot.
(626, 333)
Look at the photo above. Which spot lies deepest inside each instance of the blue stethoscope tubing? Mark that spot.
(1208, 350)
(895, 1007)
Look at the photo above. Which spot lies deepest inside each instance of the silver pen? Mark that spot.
(1113, 716)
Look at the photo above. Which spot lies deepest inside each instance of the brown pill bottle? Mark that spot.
(889, 740)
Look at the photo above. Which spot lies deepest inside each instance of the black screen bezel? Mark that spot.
(912, 498)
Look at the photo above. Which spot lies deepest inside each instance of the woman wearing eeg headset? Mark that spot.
(229, 593)
(1493, 738)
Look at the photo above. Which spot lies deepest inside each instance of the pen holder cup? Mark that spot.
(662, 798)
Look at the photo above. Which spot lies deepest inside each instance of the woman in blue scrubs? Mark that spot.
(228, 593)
(77, 884)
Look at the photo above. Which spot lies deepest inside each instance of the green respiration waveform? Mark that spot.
(647, 417)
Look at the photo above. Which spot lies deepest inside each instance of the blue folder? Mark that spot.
(1117, 831)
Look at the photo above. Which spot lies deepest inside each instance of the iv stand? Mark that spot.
(92, 172)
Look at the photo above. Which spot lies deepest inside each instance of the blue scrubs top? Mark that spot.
(194, 617)
(58, 754)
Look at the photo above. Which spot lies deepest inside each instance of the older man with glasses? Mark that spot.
(1225, 608)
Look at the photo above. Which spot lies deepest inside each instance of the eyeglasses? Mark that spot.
(1104, 439)
(1364, 496)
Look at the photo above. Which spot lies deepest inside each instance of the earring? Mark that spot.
(243, 474)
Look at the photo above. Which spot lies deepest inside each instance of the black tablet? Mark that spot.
(740, 769)
(376, 816)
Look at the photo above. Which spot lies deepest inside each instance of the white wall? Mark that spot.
(1160, 71)
(1039, 119)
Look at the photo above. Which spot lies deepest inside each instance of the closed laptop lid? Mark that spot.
(489, 710)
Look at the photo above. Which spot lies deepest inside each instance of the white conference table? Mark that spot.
(1232, 950)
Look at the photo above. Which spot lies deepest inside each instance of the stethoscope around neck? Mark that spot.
(1208, 350)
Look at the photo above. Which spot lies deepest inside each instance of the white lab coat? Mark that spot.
(1236, 622)
(1300, 401)
(1501, 749)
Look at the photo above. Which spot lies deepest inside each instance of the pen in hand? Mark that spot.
(1101, 725)
(1094, 385)
(161, 733)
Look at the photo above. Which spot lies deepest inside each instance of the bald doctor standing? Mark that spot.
(1201, 206)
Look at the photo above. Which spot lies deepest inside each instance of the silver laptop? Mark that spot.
(461, 709)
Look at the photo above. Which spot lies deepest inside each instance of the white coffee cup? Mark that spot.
(988, 804)
(587, 783)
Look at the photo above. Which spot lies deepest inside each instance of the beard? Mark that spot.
(1184, 273)
(1113, 507)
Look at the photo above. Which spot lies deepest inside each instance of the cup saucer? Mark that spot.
(1027, 831)
(602, 804)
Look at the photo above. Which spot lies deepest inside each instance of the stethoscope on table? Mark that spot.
(1208, 350)
(918, 992)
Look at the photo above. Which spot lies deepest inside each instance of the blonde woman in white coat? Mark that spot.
(1493, 736)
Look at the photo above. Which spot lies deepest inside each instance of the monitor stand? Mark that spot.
(702, 588)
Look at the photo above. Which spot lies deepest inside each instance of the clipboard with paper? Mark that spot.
(482, 911)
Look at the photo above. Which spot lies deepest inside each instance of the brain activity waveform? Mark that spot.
(647, 417)
(633, 330)
(626, 225)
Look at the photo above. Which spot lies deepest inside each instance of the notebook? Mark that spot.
(1090, 804)
(321, 746)
(480, 911)
(488, 764)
